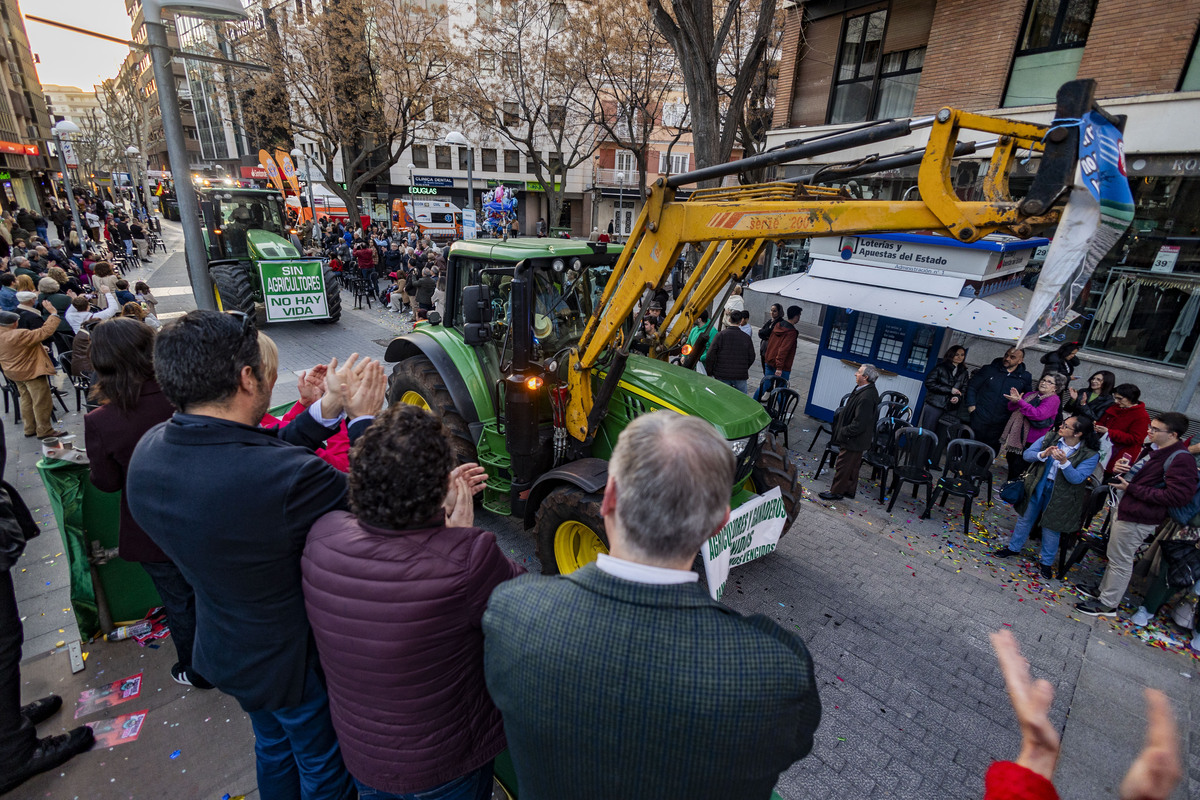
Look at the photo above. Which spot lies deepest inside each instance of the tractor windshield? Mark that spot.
(239, 213)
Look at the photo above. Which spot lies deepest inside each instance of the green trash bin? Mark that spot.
(84, 515)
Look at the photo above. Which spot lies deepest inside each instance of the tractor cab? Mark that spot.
(231, 214)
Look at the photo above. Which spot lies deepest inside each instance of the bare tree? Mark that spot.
(364, 78)
(127, 120)
(754, 118)
(701, 33)
(632, 78)
(528, 85)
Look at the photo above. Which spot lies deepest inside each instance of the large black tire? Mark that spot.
(562, 544)
(416, 381)
(234, 291)
(775, 468)
(333, 296)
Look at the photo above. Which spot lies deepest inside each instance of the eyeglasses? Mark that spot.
(1159, 430)
(247, 320)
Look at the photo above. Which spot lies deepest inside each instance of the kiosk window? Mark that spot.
(864, 335)
(838, 330)
(891, 343)
(918, 356)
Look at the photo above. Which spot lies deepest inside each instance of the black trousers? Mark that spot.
(180, 601)
(17, 737)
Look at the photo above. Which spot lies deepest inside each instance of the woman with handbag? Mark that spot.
(946, 387)
(1056, 488)
(1032, 415)
(1178, 565)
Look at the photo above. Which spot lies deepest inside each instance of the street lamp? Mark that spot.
(620, 203)
(298, 154)
(67, 128)
(168, 104)
(454, 137)
(131, 153)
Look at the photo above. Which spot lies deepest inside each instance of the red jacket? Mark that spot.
(781, 347)
(336, 451)
(397, 619)
(1127, 427)
(1006, 780)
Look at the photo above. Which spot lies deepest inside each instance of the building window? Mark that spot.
(625, 161)
(420, 156)
(898, 80)
(1050, 49)
(1190, 81)
(674, 115)
(857, 67)
(677, 164)
(511, 113)
(512, 161)
(554, 162)
(488, 155)
(864, 335)
(487, 62)
(558, 17)
(441, 109)
(483, 10)
(464, 158)
(556, 117)
(442, 154)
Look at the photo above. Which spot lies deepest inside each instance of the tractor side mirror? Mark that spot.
(477, 315)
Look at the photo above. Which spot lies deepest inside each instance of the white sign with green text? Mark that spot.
(293, 290)
(753, 531)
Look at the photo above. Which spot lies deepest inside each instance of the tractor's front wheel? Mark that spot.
(569, 529)
(416, 381)
(774, 468)
(232, 288)
(333, 296)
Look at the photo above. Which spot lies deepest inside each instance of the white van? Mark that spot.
(439, 219)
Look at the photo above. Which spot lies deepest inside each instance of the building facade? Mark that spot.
(846, 62)
(25, 174)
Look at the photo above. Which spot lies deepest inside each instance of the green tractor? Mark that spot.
(252, 261)
(494, 369)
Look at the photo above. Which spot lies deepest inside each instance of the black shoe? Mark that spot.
(850, 496)
(1093, 608)
(830, 496)
(50, 753)
(41, 710)
(1089, 591)
(1047, 573)
(189, 677)
(1004, 552)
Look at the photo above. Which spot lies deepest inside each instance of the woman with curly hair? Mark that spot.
(395, 591)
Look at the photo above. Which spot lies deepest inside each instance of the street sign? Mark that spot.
(468, 223)
(69, 155)
(293, 290)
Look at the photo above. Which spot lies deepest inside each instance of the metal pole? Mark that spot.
(620, 208)
(62, 163)
(185, 193)
(470, 178)
(308, 186)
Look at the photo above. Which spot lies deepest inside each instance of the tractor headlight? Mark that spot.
(738, 446)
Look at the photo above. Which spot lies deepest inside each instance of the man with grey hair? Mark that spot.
(853, 429)
(624, 679)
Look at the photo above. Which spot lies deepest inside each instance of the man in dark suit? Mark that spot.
(624, 679)
(853, 429)
(231, 504)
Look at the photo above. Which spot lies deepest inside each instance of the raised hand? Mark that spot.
(1031, 700)
(368, 387)
(462, 513)
(1157, 770)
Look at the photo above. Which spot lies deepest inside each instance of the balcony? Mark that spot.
(607, 179)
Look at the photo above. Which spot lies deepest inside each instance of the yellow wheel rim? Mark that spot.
(576, 544)
(217, 296)
(415, 399)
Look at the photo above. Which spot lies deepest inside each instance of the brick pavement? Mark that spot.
(896, 612)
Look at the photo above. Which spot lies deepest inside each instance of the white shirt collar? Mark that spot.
(643, 573)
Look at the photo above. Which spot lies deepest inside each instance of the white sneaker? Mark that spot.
(1196, 642)
(1142, 617)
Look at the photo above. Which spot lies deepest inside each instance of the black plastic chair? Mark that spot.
(882, 455)
(10, 389)
(1081, 541)
(81, 383)
(914, 446)
(948, 429)
(892, 396)
(827, 429)
(781, 408)
(769, 385)
(893, 409)
(968, 464)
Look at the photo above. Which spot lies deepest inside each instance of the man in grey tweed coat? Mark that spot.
(624, 679)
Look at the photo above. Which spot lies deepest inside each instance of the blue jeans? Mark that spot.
(742, 385)
(769, 373)
(1037, 504)
(297, 752)
(475, 785)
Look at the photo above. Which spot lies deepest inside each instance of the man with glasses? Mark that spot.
(231, 504)
(1163, 477)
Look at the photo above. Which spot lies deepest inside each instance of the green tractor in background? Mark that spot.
(494, 370)
(246, 235)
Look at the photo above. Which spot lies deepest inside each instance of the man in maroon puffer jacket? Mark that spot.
(395, 594)
(1164, 477)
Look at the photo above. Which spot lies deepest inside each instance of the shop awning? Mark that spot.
(998, 316)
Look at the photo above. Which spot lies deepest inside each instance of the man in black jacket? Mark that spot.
(731, 355)
(231, 504)
(986, 394)
(853, 428)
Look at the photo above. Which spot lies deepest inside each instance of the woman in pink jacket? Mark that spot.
(1033, 413)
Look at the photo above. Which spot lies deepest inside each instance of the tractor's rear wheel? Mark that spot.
(416, 381)
(774, 468)
(333, 296)
(569, 530)
(232, 288)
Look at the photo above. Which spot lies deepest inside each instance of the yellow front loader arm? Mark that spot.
(732, 225)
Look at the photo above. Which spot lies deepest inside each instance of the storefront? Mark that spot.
(891, 301)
